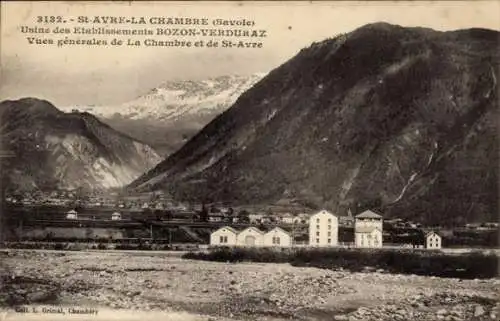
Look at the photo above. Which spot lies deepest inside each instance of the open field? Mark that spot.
(166, 286)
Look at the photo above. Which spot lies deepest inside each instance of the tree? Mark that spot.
(243, 216)
(204, 213)
(229, 215)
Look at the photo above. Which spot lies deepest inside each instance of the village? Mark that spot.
(323, 232)
(158, 218)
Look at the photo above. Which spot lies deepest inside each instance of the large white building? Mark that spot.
(225, 236)
(277, 237)
(368, 227)
(251, 236)
(323, 229)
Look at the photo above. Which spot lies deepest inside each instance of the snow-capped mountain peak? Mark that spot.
(177, 98)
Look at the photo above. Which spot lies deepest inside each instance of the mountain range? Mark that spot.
(399, 120)
(53, 149)
(168, 115)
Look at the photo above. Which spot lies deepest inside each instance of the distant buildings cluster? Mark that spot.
(323, 232)
(73, 215)
(323, 226)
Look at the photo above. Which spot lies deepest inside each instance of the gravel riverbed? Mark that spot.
(153, 283)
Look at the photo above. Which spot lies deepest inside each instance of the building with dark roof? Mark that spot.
(368, 227)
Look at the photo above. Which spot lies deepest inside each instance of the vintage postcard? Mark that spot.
(249, 160)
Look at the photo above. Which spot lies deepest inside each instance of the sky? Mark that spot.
(100, 75)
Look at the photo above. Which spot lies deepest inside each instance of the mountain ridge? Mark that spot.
(354, 121)
(54, 149)
(171, 113)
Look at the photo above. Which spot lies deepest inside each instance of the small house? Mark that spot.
(323, 229)
(250, 236)
(225, 236)
(216, 218)
(287, 218)
(472, 225)
(267, 219)
(255, 218)
(277, 237)
(116, 216)
(432, 241)
(72, 215)
(302, 218)
(346, 221)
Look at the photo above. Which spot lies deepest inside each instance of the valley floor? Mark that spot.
(152, 286)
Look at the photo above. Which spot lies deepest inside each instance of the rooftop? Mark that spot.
(255, 229)
(229, 228)
(323, 212)
(368, 214)
(431, 233)
(279, 229)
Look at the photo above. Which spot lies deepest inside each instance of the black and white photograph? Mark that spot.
(249, 160)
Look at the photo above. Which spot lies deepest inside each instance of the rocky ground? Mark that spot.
(220, 291)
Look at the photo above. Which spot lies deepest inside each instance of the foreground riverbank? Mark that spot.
(152, 283)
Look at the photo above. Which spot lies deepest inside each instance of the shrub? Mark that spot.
(126, 246)
(237, 254)
(144, 247)
(420, 262)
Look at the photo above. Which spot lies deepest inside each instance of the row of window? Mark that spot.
(369, 237)
(223, 239)
(329, 220)
(329, 241)
(368, 243)
(329, 233)
(329, 227)
(433, 242)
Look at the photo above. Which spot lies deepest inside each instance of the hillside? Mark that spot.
(66, 150)
(168, 115)
(402, 120)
